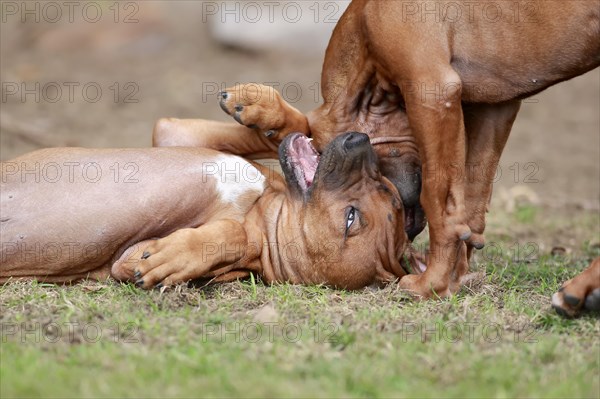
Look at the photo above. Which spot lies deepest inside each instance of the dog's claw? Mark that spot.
(159, 286)
(139, 282)
(145, 255)
(477, 241)
(561, 312)
(137, 274)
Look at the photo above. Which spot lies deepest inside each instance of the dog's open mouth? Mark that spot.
(302, 160)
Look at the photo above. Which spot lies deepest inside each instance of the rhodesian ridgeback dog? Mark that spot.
(437, 91)
(161, 216)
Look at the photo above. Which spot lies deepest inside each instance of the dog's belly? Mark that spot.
(68, 211)
(496, 81)
(506, 60)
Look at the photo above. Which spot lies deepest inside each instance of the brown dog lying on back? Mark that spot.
(161, 216)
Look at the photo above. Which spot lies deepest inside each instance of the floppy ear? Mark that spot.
(397, 201)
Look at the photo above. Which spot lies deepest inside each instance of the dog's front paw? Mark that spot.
(570, 304)
(580, 293)
(421, 288)
(167, 261)
(261, 107)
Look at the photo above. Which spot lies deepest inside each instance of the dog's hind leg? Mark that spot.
(487, 128)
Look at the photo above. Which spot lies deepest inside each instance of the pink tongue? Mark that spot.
(309, 163)
(307, 158)
(422, 266)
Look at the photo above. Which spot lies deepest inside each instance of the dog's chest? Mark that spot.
(236, 180)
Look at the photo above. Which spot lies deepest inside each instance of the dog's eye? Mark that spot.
(350, 217)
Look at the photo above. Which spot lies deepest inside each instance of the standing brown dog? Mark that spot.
(437, 92)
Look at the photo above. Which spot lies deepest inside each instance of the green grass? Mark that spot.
(525, 213)
(497, 338)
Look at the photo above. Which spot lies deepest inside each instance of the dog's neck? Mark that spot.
(275, 251)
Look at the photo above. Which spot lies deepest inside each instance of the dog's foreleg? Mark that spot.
(262, 109)
(184, 255)
(433, 105)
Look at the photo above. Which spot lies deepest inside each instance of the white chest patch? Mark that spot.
(234, 177)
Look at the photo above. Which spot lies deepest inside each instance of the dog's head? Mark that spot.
(401, 164)
(349, 216)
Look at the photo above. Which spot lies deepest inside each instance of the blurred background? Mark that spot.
(100, 73)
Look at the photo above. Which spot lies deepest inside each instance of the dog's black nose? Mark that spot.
(354, 139)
